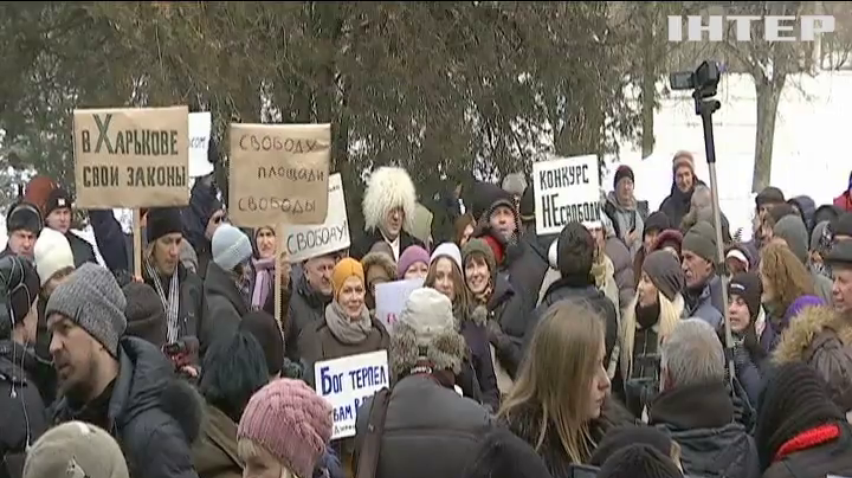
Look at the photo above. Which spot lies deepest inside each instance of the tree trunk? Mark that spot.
(649, 82)
(768, 97)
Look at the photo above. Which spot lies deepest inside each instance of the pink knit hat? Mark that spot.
(291, 422)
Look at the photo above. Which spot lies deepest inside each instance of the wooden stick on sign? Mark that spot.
(281, 243)
(137, 244)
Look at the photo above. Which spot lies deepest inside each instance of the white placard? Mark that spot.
(305, 242)
(567, 190)
(390, 300)
(347, 382)
(200, 125)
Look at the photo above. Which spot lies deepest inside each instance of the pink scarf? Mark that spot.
(262, 281)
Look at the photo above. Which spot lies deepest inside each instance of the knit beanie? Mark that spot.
(665, 273)
(291, 422)
(24, 217)
(19, 287)
(626, 435)
(503, 455)
(385, 248)
(515, 183)
(769, 195)
(450, 250)
(748, 287)
(480, 246)
(800, 304)
(144, 312)
(683, 158)
(794, 399)
(91, 298)
(623, 172)
(842, 225)
(52, 253)
(410, 256)
(58, 199)
(265, 329)
(75, 450)
(795, 234)
(426, 330)
(657, 222)
(378, 267)
(639, 461)
(669, 238)
(163, 221)
(230, 247)
(701, 241)
(346, 268)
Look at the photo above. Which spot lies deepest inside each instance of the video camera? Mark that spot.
(704, 80)
(182, 352)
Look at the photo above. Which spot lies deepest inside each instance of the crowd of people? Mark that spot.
(601, 351)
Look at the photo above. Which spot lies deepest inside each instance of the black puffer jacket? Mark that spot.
(507, 309)
(81, 249)
(153, 416)
(224, 307)
(701, 419)
(307, 306)
(22, 413)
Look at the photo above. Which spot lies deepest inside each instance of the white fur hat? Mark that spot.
(51, 254)
(388, 188)
(448, 249)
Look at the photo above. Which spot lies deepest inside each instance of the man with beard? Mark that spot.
(119, 383)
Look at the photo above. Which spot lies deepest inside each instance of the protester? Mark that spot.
(738, 259)
(76, 449)
(791, 232)
(349, 328)
(379, 268)
(701, 209)
(313, 291)
(677, 204)
(647, 322)
(227, 285)
(234, 368)
(429, 430)
(620, 206)
(390, 203)
(464, 227)
(122, 384)
(267, 332)
(747, 324)
(413, 263)
(784, 280)
(504, 455)
(567, 352)
(655, 224)
(670, 240)
(58, 216)
(703, 286)
(201, 219)
(800, 431)
(445, 276)
(284, 431)
(23, 225)
(22, 410)
(806, 207)
(145, 316)
(264, 262)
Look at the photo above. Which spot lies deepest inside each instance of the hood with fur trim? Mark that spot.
(445, 352)
(802, 337)
(379, 259)
(387, 188)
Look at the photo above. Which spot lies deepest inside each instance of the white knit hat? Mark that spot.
(447, 249)
(428, 313)
(230, 247)
(52, 253)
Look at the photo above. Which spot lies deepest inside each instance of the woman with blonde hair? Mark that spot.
(650, 318)
(559, 400)
(786, 281)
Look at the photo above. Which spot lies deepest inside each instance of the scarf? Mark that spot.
(171, 303)
(484, 296)
(263, 269)
(344, 329)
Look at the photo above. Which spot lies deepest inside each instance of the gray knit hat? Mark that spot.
(75, 450)
(792, 229)
(91, 298)
(701, 241)
(230, 247)
(665, 273)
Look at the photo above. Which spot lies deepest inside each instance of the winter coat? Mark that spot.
(822, 339)
(224, 307)
(191, 305)
(153, 416)
(623, 264)
(624, 221)
(508, 310)
(707, 304)
(701, 419)
(476, 336)
(203, 203)
(318, 343)
(677, 203)
(430, 431)
(361, 246)
(807, 207)
(307, 307)
(81, 249)
(525, 422)
(828, 458)
(23, 418)
(844, 201)
(215, 452)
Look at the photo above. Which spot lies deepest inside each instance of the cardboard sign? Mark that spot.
(347, 382)
(390, 300)
(279, 174)
(199, 143)
(305, 242)
(567, 190)
(132, 157)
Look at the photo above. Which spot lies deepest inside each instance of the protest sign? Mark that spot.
(305, 242)
(199, 144)
(131, 157)
(347, 382)
(567, 190)
(390, 300)
(279, 174)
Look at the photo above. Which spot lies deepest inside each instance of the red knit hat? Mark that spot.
(496, 248)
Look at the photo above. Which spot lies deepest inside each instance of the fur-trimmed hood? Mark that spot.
(802, 337)
(387, 188)
(382, 260)
(445, 352)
